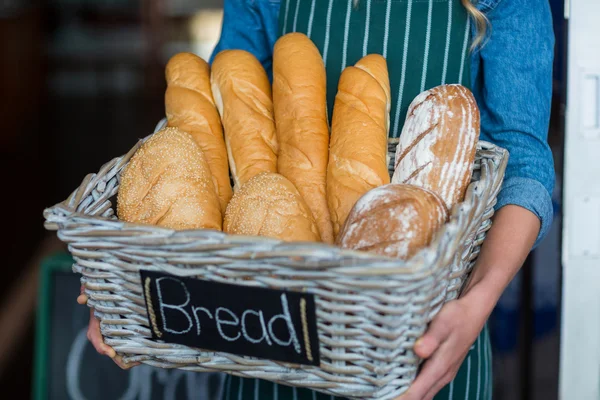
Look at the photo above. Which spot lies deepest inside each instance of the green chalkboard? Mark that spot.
(68, 368)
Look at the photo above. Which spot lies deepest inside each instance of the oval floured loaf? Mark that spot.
(438, 142)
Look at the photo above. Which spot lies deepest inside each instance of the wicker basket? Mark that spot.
(370, 310)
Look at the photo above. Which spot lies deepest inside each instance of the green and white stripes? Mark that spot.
(464, 52)
(473, 381)
(424, 41)
(254, 389)
(311, 17)
(346, 34)
(286, 14)
(296, 16)
(427, 43)
(367, 23)
(447, 47)
(396, 120)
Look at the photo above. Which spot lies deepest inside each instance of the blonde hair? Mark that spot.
(481, 21)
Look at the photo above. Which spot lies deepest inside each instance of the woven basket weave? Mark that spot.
(370, 310)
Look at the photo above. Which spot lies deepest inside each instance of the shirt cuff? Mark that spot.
(531, 195)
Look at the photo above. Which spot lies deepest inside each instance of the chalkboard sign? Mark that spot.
(68, 367)
(261, 322)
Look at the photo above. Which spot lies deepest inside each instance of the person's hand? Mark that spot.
(455, 328)
(95, 337)
(82, 299)
(444, 347)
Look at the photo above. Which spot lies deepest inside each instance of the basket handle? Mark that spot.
(92, 197)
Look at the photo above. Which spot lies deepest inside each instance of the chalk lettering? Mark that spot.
(220, 321)
(195, 312)
(178, 307)
(290, 325)
(236, 319)
(261, 319)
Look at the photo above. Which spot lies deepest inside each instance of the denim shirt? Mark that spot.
(512, 83)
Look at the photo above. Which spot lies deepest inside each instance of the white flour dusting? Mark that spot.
(425, 116)
(427, 124)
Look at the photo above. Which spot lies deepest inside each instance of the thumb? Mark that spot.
(436, 334)
(426, 345)
(82, 298)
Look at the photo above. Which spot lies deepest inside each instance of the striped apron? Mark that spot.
(472, 382)
(426, 43)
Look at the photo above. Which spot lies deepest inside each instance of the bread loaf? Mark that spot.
(168, 183)
(394, 220)
(242, 93)
(269, 205)
(190, 106)
(438, 142)
(300, 104)
(360, 125)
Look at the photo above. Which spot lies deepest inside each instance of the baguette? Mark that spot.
(300, 104)
(360, 125)
(190, 106)
(242, 93)
(438, 142)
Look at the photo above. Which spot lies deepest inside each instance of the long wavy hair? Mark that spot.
(479, 18)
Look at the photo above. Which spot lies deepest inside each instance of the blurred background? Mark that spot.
(80, 82)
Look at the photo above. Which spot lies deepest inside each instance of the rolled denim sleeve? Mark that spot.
(512, 76)
(249, 25)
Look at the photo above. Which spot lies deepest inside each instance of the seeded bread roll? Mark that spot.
(358, 149)
(242, 93)
(300, 104)
(168, 183)
(394, 220)
(270, 205)
(438, 142)
(190, 106)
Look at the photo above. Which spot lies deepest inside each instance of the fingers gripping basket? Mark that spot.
(370, 310)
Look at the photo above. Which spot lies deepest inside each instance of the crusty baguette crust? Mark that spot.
(394, 220)
(242, 93)
(168, 183)
(300, 104)
(438, 142)
(190, 106)
(360, 126)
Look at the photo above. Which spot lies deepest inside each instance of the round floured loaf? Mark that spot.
(438, 142)
(393, 220)
(270, 205)
(168, 183)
